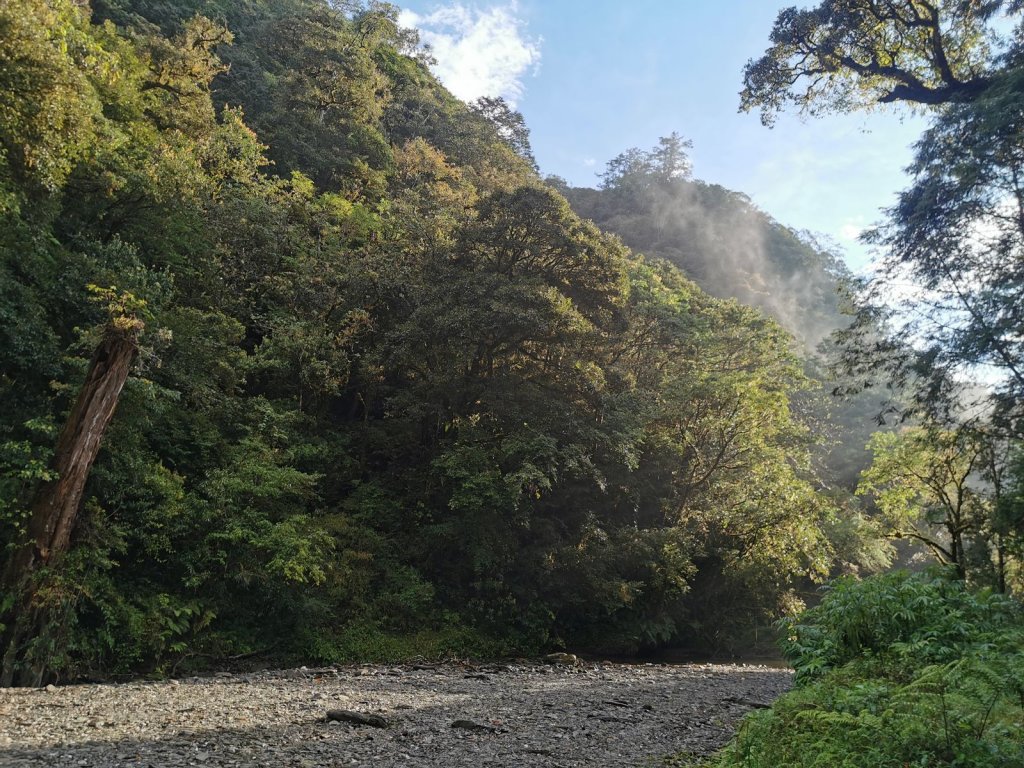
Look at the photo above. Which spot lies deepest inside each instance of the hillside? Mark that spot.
(373, 389)
(717, 237)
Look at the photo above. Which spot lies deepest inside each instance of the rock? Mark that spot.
(51, 688)
(746, 702)
(357, 718)
(564, 659)
(267, 720)
(469, 725)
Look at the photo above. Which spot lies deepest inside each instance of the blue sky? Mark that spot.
(595, 77)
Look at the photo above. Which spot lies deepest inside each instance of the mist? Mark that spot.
(729, 247)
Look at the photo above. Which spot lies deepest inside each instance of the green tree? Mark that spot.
(955, 233)
(393, 393)
(509, 124)
(958, 234)
(848, 54)
(926, 485)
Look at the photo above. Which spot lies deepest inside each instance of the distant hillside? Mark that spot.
(718, 237)
(734, 250)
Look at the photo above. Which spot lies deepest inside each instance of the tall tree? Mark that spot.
(57, 502)
(848, 54)
(957, 235)
(955, 238)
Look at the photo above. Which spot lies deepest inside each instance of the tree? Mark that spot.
(508, 123)
(396, 397)
(946, 298)
(957, 235)
(671, 159)
(924, 482)
(849, 54)
(53, 72)
(630, 169)
(57, 502)
(636, 170)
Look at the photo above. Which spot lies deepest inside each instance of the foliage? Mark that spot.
(846, 54)
(922, 483)
(395, 397)
(944, 301)
(903, 669)
(731, 249)
(893, 671)
(957, 236)
(898, 618)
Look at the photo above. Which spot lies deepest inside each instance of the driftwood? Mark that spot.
(469, 725)
(747, 702)
(357, 718)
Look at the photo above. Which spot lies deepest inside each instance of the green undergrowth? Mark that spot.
(368, 643)
(897, 671)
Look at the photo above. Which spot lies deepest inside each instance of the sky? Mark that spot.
(593, 78)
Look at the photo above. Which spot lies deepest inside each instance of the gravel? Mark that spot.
(517, 714)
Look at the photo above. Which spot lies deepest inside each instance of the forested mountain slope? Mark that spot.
(388, 394)
(731, 249)
(717, 237)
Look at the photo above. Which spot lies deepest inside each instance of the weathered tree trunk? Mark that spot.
(55, 506)
(1000, 564)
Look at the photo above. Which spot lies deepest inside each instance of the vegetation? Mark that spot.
(387, 394)
(924, 669)
(732, 250)
(300, 358)
(896, 670)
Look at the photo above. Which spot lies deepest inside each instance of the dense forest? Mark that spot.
(381, 391)
(302, 359)
(732, 250)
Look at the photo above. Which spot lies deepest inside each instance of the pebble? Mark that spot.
(525, 714)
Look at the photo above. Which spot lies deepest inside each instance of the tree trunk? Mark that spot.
(55, 506)
(1000, 565)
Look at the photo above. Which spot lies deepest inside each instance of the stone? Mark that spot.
(469, 725)
(562, 659)
(276, 718)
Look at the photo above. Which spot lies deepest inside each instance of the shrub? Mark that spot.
(900, 671)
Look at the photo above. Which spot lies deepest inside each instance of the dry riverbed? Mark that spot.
(515, 714)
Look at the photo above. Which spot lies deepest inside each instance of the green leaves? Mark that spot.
(53, 69)
(849, 54)
(896, 670)
(921, 619)
(923, 481)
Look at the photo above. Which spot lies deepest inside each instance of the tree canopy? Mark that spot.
(392, 395)
(848, 54)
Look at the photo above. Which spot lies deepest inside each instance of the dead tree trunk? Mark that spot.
(55, 506)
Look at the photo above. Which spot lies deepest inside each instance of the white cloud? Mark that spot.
(478, 52)
(589, 162)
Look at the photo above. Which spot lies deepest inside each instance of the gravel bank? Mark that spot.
(520, 714)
